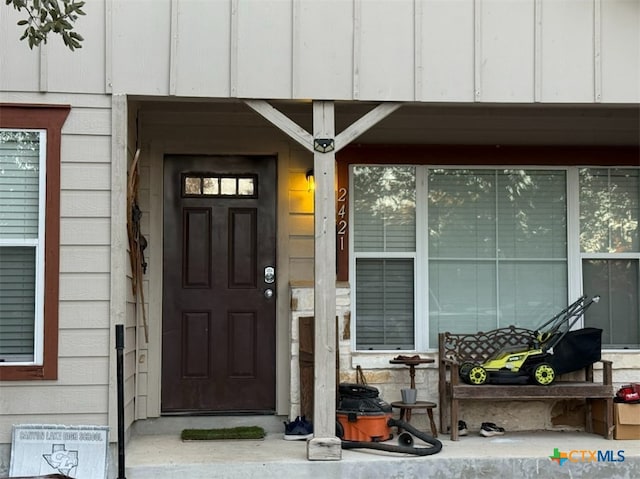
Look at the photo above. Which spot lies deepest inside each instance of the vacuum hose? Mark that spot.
(405, 440)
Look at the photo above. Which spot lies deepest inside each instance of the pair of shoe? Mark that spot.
(298, 430)
(489, 429)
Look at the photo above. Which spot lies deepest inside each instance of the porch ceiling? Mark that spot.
(461, 124)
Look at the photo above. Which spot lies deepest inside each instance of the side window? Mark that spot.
(29, 244)
(22, 193)
(610, 252)
(384, 245)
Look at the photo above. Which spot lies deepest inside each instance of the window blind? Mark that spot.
(384, 303)
(384, 216)
(17, 301)
(609, 210)
(19, 184)
(497, 248)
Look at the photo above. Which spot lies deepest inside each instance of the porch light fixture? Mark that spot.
(311, 183)
(323, 145)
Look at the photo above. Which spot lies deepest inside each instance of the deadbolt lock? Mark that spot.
(269, 274)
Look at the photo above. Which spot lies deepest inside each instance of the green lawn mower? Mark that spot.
(554, 350)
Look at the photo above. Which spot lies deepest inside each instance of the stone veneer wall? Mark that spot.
(389, 379)
(302, 306)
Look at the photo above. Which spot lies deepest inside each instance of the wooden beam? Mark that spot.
(361, 125)
(324, 144)
(324, 446)
(283, 122)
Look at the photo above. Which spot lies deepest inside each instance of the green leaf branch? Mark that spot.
(49, 16)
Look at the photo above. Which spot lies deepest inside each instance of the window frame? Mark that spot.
(38, 245)
(566, 158)
(602, 255)
(386, 255)
(49, 118)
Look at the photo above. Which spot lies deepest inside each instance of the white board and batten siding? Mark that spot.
(515, 51)
(519, 51)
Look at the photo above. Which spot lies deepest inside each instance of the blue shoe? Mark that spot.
(298, 430)
(306, 424)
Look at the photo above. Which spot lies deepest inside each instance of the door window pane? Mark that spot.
(228, 186)
(192, 185)
(246, 186)
(210, 186)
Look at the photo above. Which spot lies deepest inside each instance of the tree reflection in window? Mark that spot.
(609, 210)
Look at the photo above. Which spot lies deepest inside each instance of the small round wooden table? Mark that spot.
(412, 363)
(406, 408)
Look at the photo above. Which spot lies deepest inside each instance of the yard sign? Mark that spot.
(76, 451)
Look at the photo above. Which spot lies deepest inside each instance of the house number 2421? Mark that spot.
(342, 219)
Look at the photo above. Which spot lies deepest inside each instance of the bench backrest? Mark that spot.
(477, 347)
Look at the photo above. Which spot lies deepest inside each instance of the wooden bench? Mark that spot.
(455, 349)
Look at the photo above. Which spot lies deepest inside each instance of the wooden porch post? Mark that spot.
(324, 446)
(324, 144)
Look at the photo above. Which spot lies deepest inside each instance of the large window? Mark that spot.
(466, 250)
(610, 252)
(22, 193)
(29, 239)
(497, 248)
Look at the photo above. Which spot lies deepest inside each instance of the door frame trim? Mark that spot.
(149, 361)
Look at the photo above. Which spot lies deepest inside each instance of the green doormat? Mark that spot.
(242, 432)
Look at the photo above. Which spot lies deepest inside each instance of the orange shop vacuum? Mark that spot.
(364, 421)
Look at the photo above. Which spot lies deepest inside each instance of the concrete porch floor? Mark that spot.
(518, 454)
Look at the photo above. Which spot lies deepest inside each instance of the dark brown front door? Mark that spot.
(218, 326)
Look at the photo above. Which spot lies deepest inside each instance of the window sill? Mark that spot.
(26, 373)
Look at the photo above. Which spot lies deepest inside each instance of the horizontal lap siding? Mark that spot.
(80, 394)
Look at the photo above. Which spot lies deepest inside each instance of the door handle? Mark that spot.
(269, 274)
